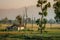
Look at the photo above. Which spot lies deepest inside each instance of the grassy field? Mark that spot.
(29, 26)
(52, 33)
(31, 35)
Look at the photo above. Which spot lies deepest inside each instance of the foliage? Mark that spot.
(5, 20)
(57, 10)
(37, 21)
(19, 19)
(42, 21)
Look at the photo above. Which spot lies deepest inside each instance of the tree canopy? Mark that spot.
(57, 9)
(43, 13)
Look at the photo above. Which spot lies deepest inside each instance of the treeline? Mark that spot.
(7, 21)
(29, 21)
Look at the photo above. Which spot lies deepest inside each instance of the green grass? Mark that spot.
(52, 34)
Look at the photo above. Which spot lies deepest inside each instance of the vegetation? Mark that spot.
(51, 21)
(57, 10)
(46, 31)
(19, 19)
(42, 21)
(31, 35)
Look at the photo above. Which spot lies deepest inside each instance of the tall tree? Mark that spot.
(19, 19)
(42, 21)
(57, 10)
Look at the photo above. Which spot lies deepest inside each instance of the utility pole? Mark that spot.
(26, 16)
(23, 19)
(32, 22)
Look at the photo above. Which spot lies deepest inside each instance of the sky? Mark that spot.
(7, 4)
(15, 4)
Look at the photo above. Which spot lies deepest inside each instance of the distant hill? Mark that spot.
(31, 11)
(12, 13)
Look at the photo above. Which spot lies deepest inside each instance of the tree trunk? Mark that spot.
(41, 19)
(50, 25)
(41, 31)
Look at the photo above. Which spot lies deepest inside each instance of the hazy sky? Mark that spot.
(15, 4)
(7, 4)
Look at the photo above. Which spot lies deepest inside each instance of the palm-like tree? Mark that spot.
(43, 13)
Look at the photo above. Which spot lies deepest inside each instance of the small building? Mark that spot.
(20, 28)
(15, 27)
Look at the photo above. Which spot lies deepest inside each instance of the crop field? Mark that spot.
(53, 33)
(29, 26)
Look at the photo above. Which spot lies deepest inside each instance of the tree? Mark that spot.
(42, 21)
(5, 20)
(19, 19)
(51, 21)
(57, 10)
(10, 21)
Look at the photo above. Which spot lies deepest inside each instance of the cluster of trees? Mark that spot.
(19, 20)
(6, 21)
(57, 10)
(43, 4)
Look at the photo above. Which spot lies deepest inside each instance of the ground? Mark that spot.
(52, 33)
